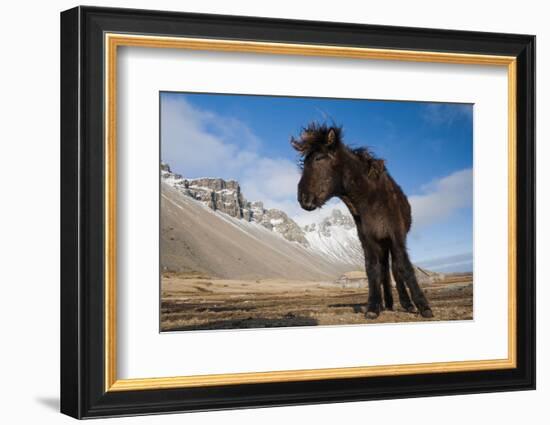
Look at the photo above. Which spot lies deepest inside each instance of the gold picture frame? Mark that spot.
(114, 41)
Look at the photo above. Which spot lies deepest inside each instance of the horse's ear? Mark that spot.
(331, 137)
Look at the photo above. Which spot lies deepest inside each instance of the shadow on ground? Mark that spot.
(252, 322)
(49, 402)
(357, 308)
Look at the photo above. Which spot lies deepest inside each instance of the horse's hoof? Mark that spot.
(410, 309)
(372, 315)
(427, 313)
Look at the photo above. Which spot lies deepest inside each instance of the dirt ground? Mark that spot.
(195, 302)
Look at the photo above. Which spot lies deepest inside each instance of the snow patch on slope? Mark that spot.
(336, 237)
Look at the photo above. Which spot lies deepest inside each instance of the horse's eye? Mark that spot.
(320, 157)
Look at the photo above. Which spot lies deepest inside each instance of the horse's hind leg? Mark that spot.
(386, 281)
(404, 272)
(404, 298)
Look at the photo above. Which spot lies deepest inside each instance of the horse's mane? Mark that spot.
(377, 166)
(314, 136)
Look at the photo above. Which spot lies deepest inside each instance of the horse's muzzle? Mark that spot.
(307, 202)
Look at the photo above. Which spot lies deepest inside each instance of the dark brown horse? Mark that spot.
(379, 207)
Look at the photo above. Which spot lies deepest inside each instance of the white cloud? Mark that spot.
(452, 263)
(268, 178)
(442, 197)
(189, 148)
(446, 114)
(200, 143)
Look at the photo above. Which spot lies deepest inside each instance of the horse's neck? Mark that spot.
(355, 185)
(354, 211)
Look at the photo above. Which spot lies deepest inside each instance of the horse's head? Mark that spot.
(319, 147)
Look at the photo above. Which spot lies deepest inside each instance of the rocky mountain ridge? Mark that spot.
(226, 196)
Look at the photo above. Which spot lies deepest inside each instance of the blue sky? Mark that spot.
(428, 148)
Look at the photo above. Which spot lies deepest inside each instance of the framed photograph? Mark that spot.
(261, 212)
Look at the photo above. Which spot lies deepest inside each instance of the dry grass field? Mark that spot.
(197, 302)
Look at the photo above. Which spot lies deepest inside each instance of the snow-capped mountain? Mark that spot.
(336, 237)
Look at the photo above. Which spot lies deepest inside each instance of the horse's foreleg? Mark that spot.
(374, 276)
(386, 281)
(404, 271)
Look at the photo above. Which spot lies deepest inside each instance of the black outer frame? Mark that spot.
(82, 219)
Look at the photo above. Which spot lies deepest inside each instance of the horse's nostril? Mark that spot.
(307, 202)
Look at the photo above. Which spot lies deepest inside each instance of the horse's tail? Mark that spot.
(403, 205)
(408, 214)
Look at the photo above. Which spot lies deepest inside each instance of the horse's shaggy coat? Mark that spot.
(379, 207)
